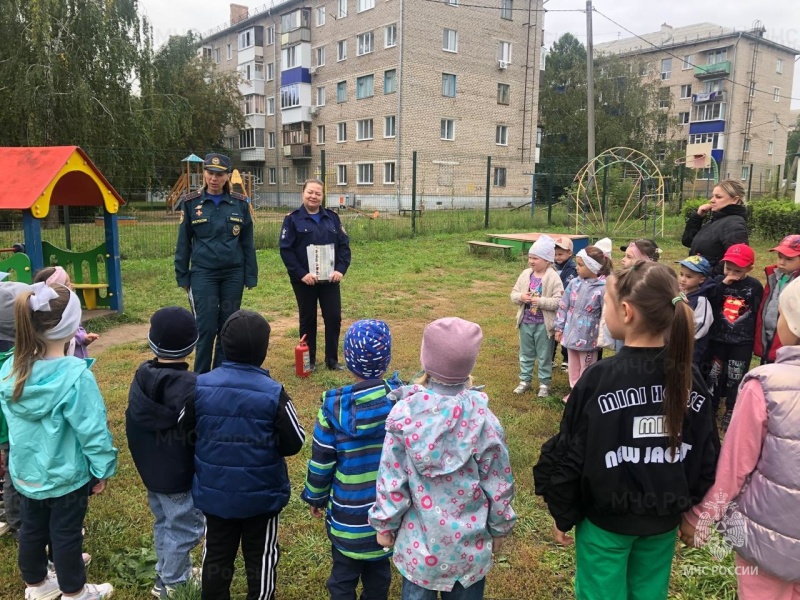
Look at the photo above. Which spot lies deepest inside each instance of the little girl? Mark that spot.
(578, 319)
(78, 344)
(637, 443)
(536, 293)
(757, 488)
(59, 434)
(444, 484)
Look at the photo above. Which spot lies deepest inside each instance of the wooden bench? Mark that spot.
(475, 245)
(404, 211)
(89, 293)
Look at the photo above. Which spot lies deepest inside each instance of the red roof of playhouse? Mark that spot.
(59, 175)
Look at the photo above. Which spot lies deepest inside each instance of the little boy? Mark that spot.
(345, 457)
(566, 269)
(778, 277)
(693, 280)
(737, 298)
(245, 424)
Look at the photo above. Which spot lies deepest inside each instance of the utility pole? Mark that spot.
(590, 80)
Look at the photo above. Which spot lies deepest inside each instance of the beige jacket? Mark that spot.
(552, 290)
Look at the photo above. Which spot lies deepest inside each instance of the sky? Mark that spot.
(780, 17)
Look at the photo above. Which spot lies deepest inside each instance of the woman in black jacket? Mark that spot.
(726, 227)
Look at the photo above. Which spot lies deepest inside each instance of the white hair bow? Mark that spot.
(42, 294)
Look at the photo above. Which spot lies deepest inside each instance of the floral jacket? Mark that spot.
(580, 312)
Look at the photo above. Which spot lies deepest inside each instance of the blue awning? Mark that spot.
(193, 158)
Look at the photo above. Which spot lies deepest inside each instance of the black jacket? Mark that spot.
(162, 449)
(608, 463)
(723, 229)
(300, 230)
(736, 307)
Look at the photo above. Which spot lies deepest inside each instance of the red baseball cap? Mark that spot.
(741, 255)
(789, 246)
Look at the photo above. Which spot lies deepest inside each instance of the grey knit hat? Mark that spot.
(9, 290)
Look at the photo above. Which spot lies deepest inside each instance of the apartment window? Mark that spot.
(666, 69)
(253, 104)
(363, 130)
(285, 175)
(746, 145)
(270, 71)
(229, 52)
(341, 174)
(390, 35)
(779, 66)
(271, 140)
(362, 5)
(321, 56)
(504, 52)
(341, 132)
(272, 173)
(365, 43)
(321, 96)
(251, 138)
(706, 138)
(270, 35)
(389, 126)
(300, 174)
(246, 39)
(713, 85)
(320, 16)
(661, 130)
(364, 86)
(390, 81)
(776, 94)
(289, 57)
(501, 135)
(341, 92)
(503, 93)
(341, 50)
(290, 96)
(750, 115)
(708, 112)
(663, 98)
(717, 56)
(450, 40)
(206, 52)
(745, 173)
(768, 175)
(452, 2)
(320, 134)
(448, 127)
(365, 174)
(388, 172)
(217, 55)
(771, 148)
(258, 71)
(688, 61)
(507, 9)
(271, 105)
(683, 118)
(499, 178)
(342, 9)
(686, 91)
(448, 85)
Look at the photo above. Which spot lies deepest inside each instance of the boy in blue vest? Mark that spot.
(345, 455)
(245, 424)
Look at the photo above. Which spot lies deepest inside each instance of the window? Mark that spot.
(448, 129)
(341, 132)
(779, 66)
(390, 36)
(389, 124)
(661, 129)
(365, 43)
(708, 112)
(290, 96)
(450, 40)
(666, 69)
(285, 175)
(363, 129)
(768, 176)
(341, 92)
(258, 71)
(686, 91)
(388, 173)
(270, 71)
(289, 57)
(750, 115)
(365, 174)
(771, 148)
(271, 140)
(272, 173)
(320, 134)
(501, 135)
(745, 173)
(258, 175)
(707, 138)
(320, 16)
(229, 52)
(364, 86)
(503, 93)
(746, 145)
(504, 52)
(499, 179)
(390, 81)
(342, 9)
(341, 174)
(688, 61)
(270, 36)
(448, 85)
(206, 52)
(717, 56)
(341, 50)
(452, 2)
(246, 39)
(300, 174)
(253, 104)
(776, 94)
(321, 56)
(713, 85)
(321, 96)
(217, 57)
(683, 118)
(362, 5)
(507, 9)
(251, 138)
(663, 98)
(271, 106)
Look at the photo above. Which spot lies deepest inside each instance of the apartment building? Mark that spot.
(368, 82)
(727, 91)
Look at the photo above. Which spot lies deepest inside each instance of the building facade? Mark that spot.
(366, 83)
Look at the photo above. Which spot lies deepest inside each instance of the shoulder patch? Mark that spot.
(238, 196)
(193, 196)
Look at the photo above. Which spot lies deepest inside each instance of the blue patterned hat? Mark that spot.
(368, 348)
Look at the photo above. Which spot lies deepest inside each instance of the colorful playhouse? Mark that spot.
(47, 177)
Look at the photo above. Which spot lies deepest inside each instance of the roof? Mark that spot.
(193, 158)
(59, 175)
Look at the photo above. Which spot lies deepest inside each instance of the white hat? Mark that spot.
(789, 303)
(604, 246)
(544, 248)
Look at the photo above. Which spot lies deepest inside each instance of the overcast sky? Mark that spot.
(780, 17)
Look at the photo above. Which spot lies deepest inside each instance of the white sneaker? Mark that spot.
(564, 367)
(91, 591)
(49, 590)
(544, 391)
(4, 528)
(523, 387)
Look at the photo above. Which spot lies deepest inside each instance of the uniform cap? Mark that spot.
(217, 162)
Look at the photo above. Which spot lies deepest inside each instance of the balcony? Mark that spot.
(295, 37)
(299, 152)
(702, 97)
(252, 154)
(716, 70)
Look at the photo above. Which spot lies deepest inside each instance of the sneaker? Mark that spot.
(565, 367)
(49, 590)
(4, 528)
(92, 591)
(523, 387)
(197, 574)
(544, 391)
(158, 586)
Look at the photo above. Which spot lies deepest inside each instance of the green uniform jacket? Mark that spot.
(215, 237)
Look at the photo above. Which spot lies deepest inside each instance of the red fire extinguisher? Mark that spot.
(302, 359)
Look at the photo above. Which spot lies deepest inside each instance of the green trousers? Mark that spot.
(535, 345)
(611, 566)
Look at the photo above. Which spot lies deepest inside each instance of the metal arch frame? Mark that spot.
(587, 176)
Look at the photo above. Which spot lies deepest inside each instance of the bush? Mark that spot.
(691, 205)
(774, 219)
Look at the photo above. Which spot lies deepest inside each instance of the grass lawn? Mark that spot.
(407, 283)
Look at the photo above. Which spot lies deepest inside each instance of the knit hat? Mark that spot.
(564, 242)
(605, 245)
(789, 303)
(368, 348)
(245, 338)
(741, 255)
(173, 332)
(789, 246)
(544, 248)
(9, 290)
(450, 349)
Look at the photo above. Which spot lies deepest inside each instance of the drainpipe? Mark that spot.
(398, 124)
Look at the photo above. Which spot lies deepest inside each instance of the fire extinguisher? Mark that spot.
(302, 359)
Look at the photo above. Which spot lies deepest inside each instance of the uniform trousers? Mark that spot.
(329, 297)
(214, 296)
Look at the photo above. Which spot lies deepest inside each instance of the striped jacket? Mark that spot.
(345, 455)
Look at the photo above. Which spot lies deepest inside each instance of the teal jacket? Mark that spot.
(58, 429)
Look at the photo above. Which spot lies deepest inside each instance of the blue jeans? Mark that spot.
(178, 528)
(411, 591)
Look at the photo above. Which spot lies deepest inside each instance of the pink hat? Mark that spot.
(450, 349)
(789, 246)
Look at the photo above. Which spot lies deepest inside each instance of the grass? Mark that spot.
(408, 283)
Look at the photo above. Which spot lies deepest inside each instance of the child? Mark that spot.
(162, 449)
(78, 345)
(565, 267)
(344, 463)
(245, 425)
(637, 443)
(445, 485)
(757, 482)
(778, 276)
(536, 293)
(736, 300)
(693, 280)
(60, 440)
(578, 320)
(641, 249)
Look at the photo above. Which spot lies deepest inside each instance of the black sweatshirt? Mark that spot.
(610, 461)
(736, 307)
